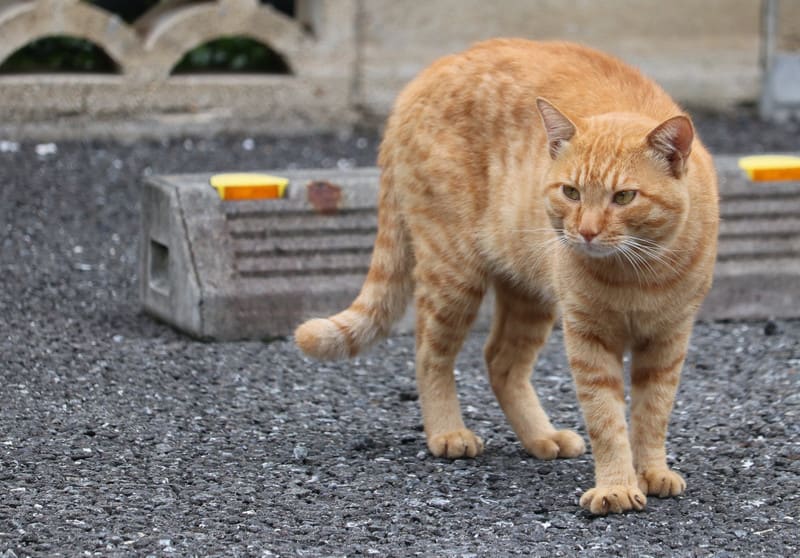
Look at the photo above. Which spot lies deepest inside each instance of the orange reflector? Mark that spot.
(249, 186)
(764, 168)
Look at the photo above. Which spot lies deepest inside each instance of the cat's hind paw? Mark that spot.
(619, 498)
(457, 444)
(562, 443)
(661, 482)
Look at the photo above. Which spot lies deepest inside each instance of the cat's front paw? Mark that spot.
(661, 482)
(616, 498)
(563, 443)
(456, 444)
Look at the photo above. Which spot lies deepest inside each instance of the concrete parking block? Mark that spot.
(253, 270)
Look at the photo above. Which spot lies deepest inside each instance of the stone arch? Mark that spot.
(180, 30)
(21, 24)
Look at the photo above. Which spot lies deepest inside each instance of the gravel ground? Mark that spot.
(119, 436)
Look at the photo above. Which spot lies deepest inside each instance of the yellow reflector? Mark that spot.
(771, 167)
(249, 186)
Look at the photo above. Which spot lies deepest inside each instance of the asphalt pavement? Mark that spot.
(121, 437)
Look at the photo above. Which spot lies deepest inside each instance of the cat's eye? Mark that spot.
(624, 197)
(571, 192)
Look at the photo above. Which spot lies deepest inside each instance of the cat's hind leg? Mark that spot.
(447, 301)
(521, 325)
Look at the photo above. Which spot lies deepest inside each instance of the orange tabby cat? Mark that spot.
(558, 176)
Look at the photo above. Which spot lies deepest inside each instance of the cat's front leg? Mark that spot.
(595, 357)
(655, 374)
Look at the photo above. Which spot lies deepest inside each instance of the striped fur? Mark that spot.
(474, 162)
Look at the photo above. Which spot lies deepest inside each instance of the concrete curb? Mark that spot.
(248, 270)
(253, 269)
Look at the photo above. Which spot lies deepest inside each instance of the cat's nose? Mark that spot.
(588, 236)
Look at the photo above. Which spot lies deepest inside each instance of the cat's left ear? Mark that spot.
(672, 142)
(558, 127)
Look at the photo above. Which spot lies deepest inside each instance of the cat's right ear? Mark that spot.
(558, 127)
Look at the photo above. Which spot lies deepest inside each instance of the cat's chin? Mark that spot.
(595, 250)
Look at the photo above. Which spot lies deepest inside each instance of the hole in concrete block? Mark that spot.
(302, 11)
(236, 54)
(128, 10)
(286, 7)
(60, 54)
(159, 267)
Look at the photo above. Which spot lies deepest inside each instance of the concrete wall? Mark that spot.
(144, 98)
(789, 18)
(351, 57)
(708, 57)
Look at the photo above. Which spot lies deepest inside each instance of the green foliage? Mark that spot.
(232, 54)
(63, 54)
(59, 54)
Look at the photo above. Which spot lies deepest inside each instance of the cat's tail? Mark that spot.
(383, 297)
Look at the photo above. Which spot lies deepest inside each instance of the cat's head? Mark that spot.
(617, 181)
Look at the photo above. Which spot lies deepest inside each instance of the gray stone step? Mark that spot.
(305, 265)
(303, 244)
(769, 207)
(758, 248)
(303, 225)
(759, 227)
(242, 270)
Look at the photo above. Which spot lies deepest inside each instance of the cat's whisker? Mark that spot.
(655, 256)
(654, 247)
(633, 265)
(653, 251)
(641, 258)
(647, 257)
(572, 237)
(651, 242)
(545, 230)
(625, 254)
(547, 247)
(646, 265)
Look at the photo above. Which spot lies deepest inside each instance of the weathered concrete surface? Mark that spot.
(758, 266)
(243, 270)
(239, 270)
(780, 98)
(780, 93)
(122, 437)
(143, 98)
(351, 58)
(709, 58)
